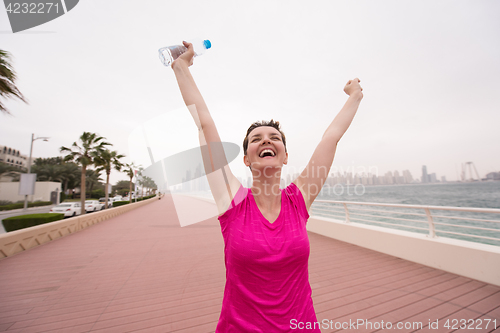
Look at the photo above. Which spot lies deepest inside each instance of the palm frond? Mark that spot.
(8, 88)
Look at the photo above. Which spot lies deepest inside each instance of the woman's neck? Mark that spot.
(266, 191)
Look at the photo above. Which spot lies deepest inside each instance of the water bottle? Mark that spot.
(170, 53)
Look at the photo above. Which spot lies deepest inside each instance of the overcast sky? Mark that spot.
(429, 69)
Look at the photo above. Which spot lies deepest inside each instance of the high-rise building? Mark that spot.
(425, 176)
(389, 178)
(433, 178)
(407, 177)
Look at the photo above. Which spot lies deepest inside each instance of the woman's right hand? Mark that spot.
(186, 57)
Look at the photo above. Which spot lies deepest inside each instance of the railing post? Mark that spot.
(432, 231)
(347, 219)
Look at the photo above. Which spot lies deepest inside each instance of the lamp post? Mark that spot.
(33, 139)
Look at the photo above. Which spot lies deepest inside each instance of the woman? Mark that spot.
(264, 228)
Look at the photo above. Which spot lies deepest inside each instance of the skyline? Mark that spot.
(428, 71)
(352, 174)
(335, 171)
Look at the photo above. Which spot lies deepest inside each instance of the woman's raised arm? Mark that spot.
(311, 180)
(223, 183)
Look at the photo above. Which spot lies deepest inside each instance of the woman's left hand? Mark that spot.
(352, 87)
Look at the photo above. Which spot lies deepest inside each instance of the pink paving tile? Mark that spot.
(5, 326)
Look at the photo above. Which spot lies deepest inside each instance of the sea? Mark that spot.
(485, 194)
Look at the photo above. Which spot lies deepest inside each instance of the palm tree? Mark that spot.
(130, 171)
(54, 168)
(69, 175)
(105, 162)
(47, 172)
(92, 177)
(8, 77)
(149, 184)
(91, 145)
(50, 160)
(140, 180)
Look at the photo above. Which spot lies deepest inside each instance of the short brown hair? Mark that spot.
(271, 123)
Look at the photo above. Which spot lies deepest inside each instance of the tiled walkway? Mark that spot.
(142, 272)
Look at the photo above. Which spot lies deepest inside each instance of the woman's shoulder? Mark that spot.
(292, 189)
(240, 196)
(296, 197)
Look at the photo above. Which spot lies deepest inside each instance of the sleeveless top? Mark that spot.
(267, 280)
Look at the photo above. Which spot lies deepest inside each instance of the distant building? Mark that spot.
(389, 178)
(493, 176)
(443, 179)
(425, 176)
(407, 177)
(433, 178)
(395, 178)
(13, 157)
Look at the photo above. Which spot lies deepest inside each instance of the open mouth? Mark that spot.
(267, 153)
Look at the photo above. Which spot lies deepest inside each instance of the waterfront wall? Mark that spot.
(473, 260)
(18, 241)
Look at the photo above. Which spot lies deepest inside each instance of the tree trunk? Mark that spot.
(106, 194)
(130, 190)
(82, 190)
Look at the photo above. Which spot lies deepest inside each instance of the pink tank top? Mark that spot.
(267, 281)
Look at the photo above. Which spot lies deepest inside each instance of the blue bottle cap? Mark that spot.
(207, 44)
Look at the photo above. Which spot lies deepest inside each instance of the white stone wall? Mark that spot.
(9, 191)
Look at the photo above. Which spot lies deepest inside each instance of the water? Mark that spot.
(170, 53)
(476, 194)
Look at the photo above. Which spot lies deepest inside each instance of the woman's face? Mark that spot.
(265, 149)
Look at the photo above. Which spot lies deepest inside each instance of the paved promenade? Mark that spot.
(142, 272)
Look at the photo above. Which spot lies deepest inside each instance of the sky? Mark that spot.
(429, 71)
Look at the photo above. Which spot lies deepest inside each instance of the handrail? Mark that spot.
(464, 209)
(471, 228)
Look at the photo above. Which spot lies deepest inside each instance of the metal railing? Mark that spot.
(472, 224)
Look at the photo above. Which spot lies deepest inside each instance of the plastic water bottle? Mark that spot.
(170, 53)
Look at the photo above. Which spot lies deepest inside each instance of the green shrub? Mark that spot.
(21, 205)
(122, 192)
(147, 197)
(119, 203)
(96, 194)
(30, 220)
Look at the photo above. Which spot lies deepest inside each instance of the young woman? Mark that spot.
(264, 228)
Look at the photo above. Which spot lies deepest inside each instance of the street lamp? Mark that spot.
(33, 139)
